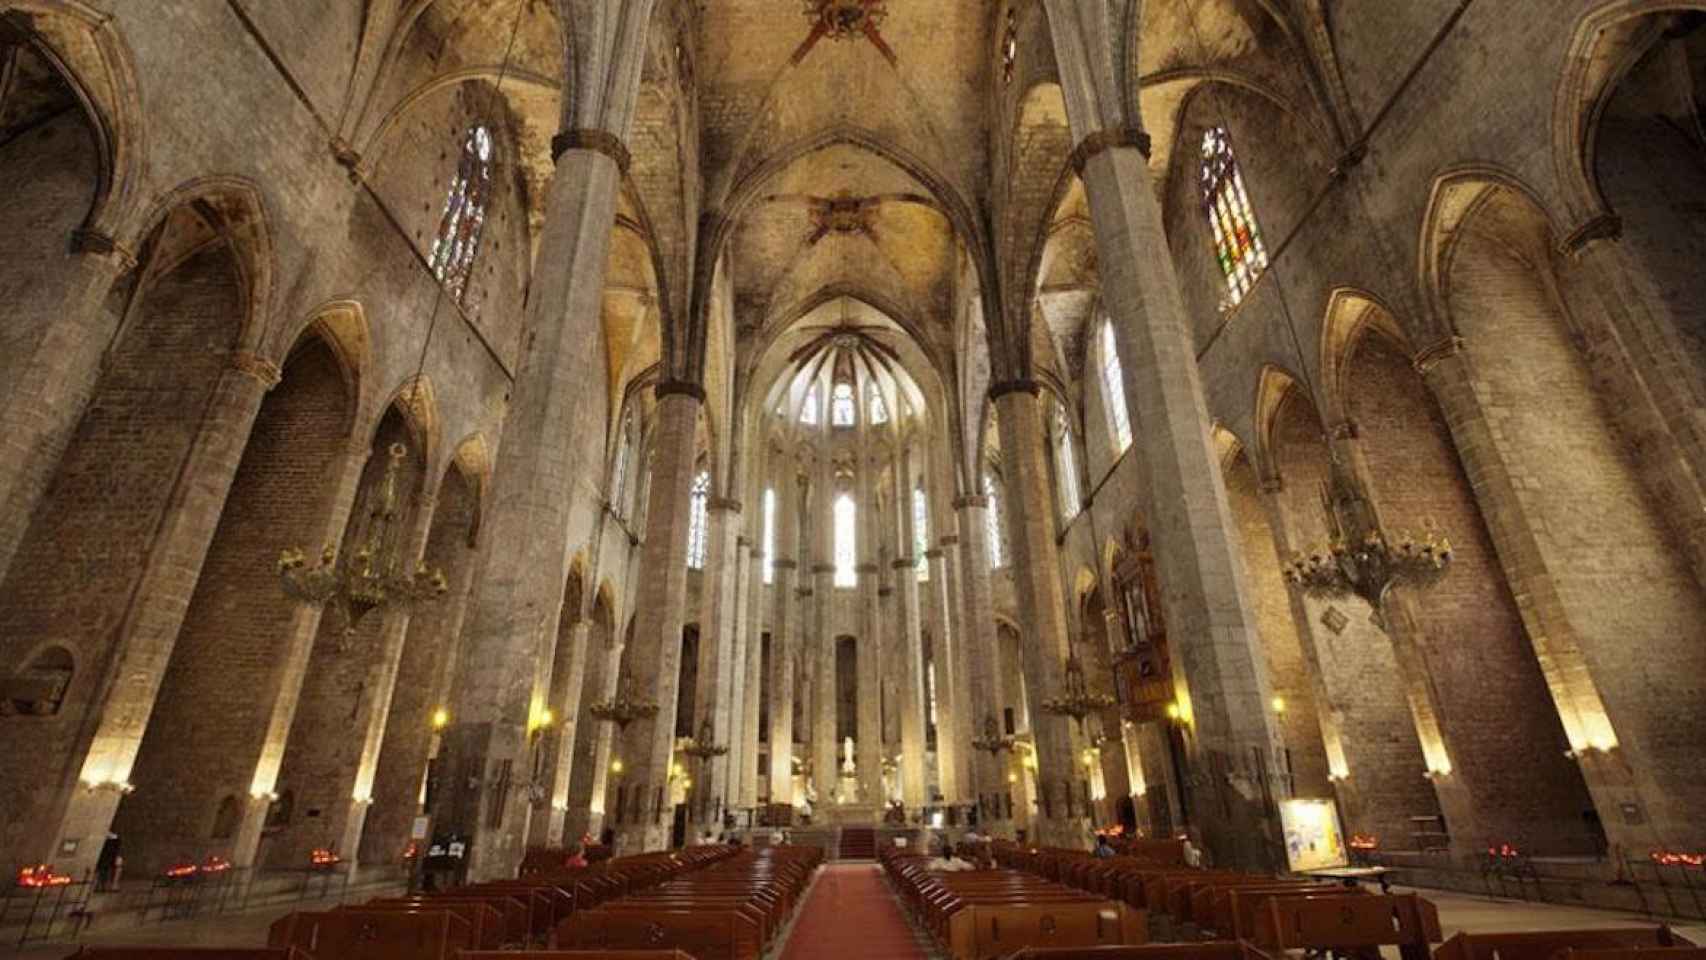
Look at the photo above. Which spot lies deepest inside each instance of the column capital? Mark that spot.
(977, 500)
(757, 554)
(598, 141)
(104, 245)
(743, 540)
(426, 500)
(1103, 140)
(1005, 387)
(949, 540)
(863, 568)
(934, 553)
(724, 503)
(256, 367)
(679, 388)
(803, 592)
(885, 591)
(1604, 226)
(1429, 356)
(1345, 429)
(1272, 485)
(901, 563)
(821, 568)
(782, 563)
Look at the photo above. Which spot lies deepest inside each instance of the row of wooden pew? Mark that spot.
(1229, 915)
(732, 910)
(977, 914)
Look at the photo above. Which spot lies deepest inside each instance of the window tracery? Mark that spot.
(1113, 391)
(921, 533)
(770, 535)
(808, 409)
(877, 410)
(1066, 464)
(698, 520)
(464, 218)
(841, 408)
(992, 524)
(846, 545)
(1237, 239)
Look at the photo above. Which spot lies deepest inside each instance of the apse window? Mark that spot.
(1113, 391)
(920, 534)
(698, 519)
(877, 410)
(808, 409)
(1066, 465)
(1237, 240)
(464, 219)
(770, 535)
(846, 546)
(841, 408)
(992, 524)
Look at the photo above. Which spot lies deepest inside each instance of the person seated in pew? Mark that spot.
(1104, 849)
(576, 857)
(950, 861)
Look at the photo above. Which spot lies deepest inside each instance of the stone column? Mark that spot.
(716, 661)
(375, 709)
(82, 810)
(549, 820)
(747, 769)
(979, 657)
(41, 407)
(604, 739)
(868, 734)
(1064, 820)
(660, 607)
(280, 697)
(956, 657)
(737, 759)
(1218, 669)
(521, 584)
(915, 788)
(782, 639)
(825, 750)
(949, 748)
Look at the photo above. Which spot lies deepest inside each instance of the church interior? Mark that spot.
(1187, 479)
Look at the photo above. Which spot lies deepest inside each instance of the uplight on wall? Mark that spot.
(1279, 705)
(440, 718)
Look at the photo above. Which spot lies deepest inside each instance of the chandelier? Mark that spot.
(374, 575)
(625, 707)
(991, 742)
(1077, 701)
(1359, 558)
(845, 19)
(705, 745)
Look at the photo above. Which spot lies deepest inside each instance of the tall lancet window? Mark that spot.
(846, 544)
(464, 213)
(622, 472)
(992, 524)
(1113, 391)
(878, 411)
(841, 411)
(1066, 464)
(770, 535)
(698, 519)
(1237, 240)
(808, 409)
(920, 533)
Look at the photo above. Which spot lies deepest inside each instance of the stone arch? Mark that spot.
(1556, 429)
(38, 687)
(340, 326)
(1273, 385)
(473, 457)
(1607, 42)
(87, 49)
(1350, 313)
(232, 650)
(417, 401)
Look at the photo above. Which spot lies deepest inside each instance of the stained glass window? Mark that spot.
(464, 213)
(992, 524)
(808, 409)
(920, 533)
(1066, 465)
(1113, 391)
(770, 535)
(698, 519)
(841, 405)
(623, 469)
(878, 411)
(1237, 240)
(846, 544)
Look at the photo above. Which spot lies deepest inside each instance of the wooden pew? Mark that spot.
(373, 935)
(188, 953)
(1547, 945)
(488, 928)
(1353, 925)
(996, 930)
(1207, 950)
(574, 955)
(705, 934)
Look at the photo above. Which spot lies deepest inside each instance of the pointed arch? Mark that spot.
(417, 401)
(1350, 311)
(237, 207)
(1273, 386)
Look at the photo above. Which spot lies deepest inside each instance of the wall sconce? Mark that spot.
(616, 766)
(440, 718)
(1279, 705)
(123, 788)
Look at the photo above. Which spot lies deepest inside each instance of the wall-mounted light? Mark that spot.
(440, 718)
(1279, 705)
(616, 765)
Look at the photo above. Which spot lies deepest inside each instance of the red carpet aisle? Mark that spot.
(851, 914)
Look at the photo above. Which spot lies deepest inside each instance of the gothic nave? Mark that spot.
(1274, 423)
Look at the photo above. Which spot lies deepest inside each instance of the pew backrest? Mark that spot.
(1207, 950)
(1545, 945)
(373, 934)
(190, 953)
(1339, 922)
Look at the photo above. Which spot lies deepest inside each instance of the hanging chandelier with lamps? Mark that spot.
(991, 741)
(1360, 558)
(1076, 700)
(373, 575)
(625, 707)
(705, 745)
